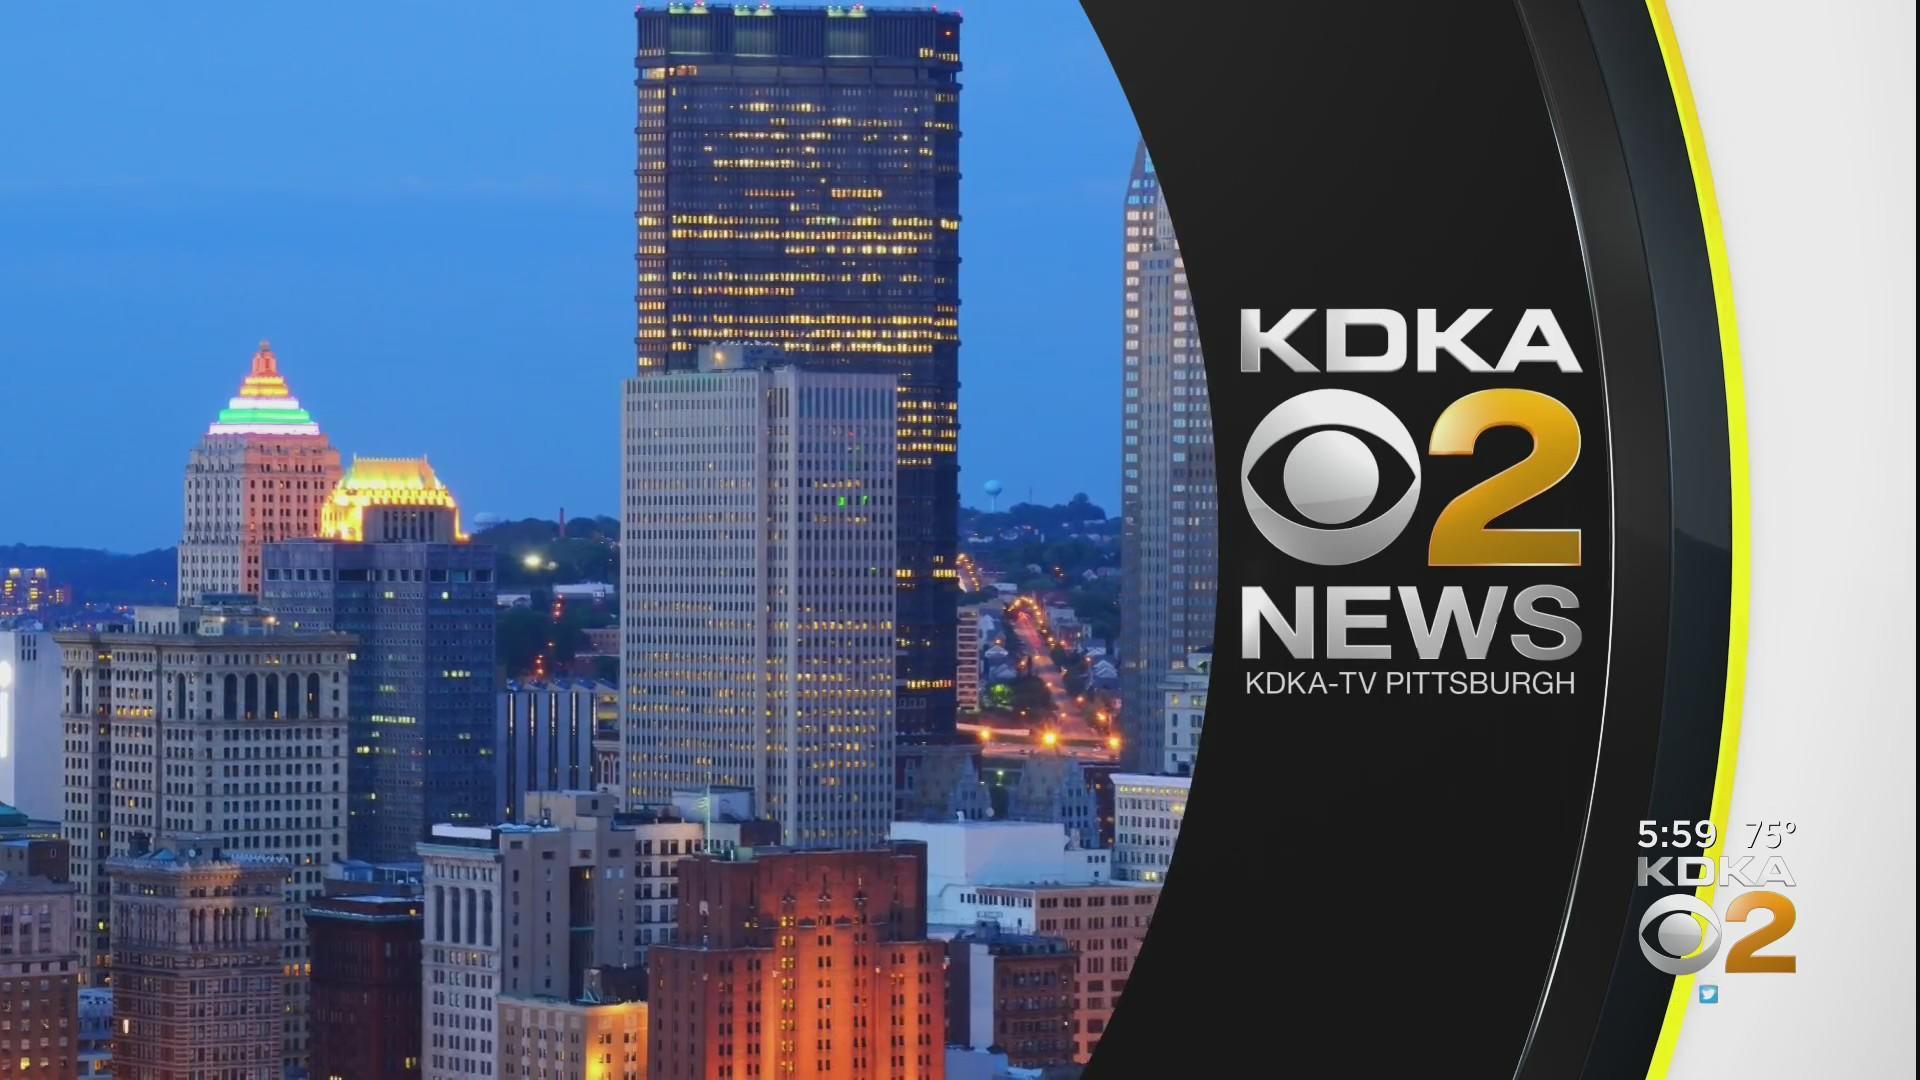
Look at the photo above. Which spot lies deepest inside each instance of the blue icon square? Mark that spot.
(1709, 994)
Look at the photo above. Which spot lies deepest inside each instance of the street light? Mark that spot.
(533, 561)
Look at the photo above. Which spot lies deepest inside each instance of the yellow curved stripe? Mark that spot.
(1741, 502)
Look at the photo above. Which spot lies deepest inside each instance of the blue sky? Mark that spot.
(427, 206)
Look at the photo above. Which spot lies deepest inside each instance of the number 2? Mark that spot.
(1460, 535)
(1742, 958)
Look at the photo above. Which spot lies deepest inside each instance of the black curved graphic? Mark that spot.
(1431, 886)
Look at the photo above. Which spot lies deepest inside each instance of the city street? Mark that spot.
(1072, 725)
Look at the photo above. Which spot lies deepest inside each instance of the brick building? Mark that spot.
(365, 994)
(801, 962)
(542, 920)
(32, 848)
(1104, 923)
(1013, 992)
(199, 989)
(39, 979)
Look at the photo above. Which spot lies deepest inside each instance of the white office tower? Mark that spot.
(757, 590)
(31, 752)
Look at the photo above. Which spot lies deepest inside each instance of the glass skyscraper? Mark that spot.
(393, 568)
(1169, 504)
(799, 186)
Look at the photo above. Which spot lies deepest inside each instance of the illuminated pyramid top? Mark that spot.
(265, 405)
(385, 483)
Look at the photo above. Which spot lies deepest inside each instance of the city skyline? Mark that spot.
(332, 704)
(389, 258)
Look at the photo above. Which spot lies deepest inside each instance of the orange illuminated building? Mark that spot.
(800, 963)
(260, 475)
(550, 1039)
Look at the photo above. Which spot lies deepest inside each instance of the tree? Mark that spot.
(1075, 679)
(589, 552)
(1030, 693)
(1097, 602)
(521, 636)
(567, 639)
(1081, 508)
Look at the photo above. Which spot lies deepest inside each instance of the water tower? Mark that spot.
(994, 488)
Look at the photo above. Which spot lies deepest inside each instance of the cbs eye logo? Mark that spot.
(1680, 935)
(1331, 477)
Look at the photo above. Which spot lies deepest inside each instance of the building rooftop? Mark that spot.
(983, 825)
(265, 404)
(474, 837)
(186, 859)
(651, 815)
(23, 885)
(1152, 780)
(183, 625)
(747, 853)
(486, 837)
(1011, 942)
(1102, 883)
(373, 909)
(560, 684)
(362, 870)
(762, 8)
(375, 481)
(48, 837)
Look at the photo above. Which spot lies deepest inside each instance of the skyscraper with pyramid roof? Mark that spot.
(262, 473)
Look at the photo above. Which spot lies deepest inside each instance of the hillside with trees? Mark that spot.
(101, 577)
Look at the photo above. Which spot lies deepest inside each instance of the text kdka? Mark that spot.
(1429, 341)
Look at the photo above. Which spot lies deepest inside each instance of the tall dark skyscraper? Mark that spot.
(799, 185)
(393, 569)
